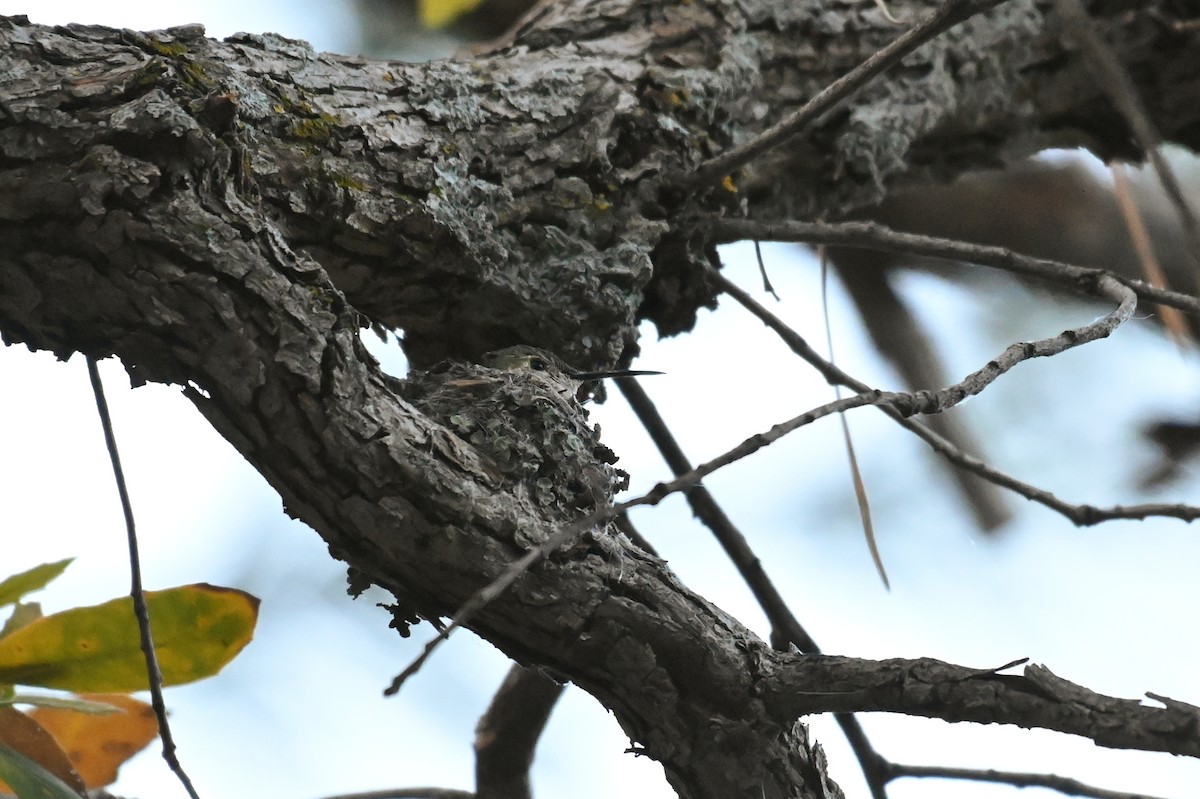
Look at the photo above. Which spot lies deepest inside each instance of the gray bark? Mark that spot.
(227, 215)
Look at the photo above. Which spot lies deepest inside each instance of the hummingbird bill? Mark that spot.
(552, 368)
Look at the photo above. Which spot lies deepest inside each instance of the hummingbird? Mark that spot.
(520, 409)
(551, 368)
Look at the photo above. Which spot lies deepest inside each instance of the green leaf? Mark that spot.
(197, 629)
(17, 586)
(28, 780)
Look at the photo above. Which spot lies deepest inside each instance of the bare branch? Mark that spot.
(899, 337)
(508, 732)
(869, 235)
(906, 404)
(137, 594)
(1064, 785)
(950, 14)
(1083, 515)
(977, 381)
(928, 687)
(786, 630)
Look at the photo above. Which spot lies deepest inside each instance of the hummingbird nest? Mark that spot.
(531, 431)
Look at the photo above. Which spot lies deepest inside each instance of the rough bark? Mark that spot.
(227, 215)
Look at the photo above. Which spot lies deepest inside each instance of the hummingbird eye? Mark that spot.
(538, 364)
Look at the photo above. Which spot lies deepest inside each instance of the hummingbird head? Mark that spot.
(525, 359)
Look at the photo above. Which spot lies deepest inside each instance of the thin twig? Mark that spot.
(947, 16)
(1119, 86)
(1082, 515)
(1172, 319)
(762, 270)
(896, 332)
(873, 236)
(1064, 785)
(860, 485)
(786, 630)
(926, 402)
(784, 625)
(140, 611)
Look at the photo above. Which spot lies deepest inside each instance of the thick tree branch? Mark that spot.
(272, 357)
(507, 734)
(950, 13)
(225, 215)
(1039, 697)
(445, 198)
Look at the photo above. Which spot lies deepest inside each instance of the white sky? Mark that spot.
(326, 25)
(299, 713)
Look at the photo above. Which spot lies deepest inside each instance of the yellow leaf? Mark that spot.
(21, 734)
(23, 613)
(197, 630)
(98, 745)
(437, 14)
(17, 586)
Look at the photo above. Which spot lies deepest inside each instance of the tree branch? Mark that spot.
(1038, 697)
(225, 216)
(507, 734)
(841, 90)
(1076, 279)
(1064, 785)
(786, 630)
(1080, 514)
